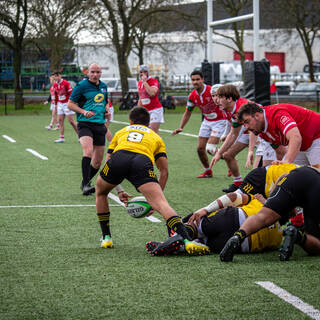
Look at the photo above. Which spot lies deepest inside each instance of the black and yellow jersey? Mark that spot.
(268, 238)
(139, 139)
(261, 180)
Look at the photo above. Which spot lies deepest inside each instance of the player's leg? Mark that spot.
(203, 137)
(156, 118)
(232, 163)
(155, 197)
(313, 153)
(61, 127)
(102, 207)
(72, 122)
(97, 157)
(155, 126)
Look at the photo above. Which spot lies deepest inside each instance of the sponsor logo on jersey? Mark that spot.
(99, 97)
(284, 120)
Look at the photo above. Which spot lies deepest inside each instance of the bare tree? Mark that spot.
(56, 24)
(304, 15)
(119, 20)
(14, 16)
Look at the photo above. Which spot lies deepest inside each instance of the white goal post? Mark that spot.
(211, 24)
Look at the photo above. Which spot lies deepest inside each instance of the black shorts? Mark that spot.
(220, 227)
(254, 182)
(300, 188)
(135, 167)
(96, 131)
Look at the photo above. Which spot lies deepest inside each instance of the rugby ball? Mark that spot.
(138, 207)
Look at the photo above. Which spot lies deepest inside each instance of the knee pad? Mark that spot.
(211, 148)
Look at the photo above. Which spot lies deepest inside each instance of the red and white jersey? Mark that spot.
(210, 110)
(150, 103)
(234, 113)
(53, 95)
(280, 118)
(110, 104)
(63, 90)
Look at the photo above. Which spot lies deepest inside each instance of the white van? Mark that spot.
(114, 84)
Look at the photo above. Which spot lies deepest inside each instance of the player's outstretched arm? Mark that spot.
(184, 120)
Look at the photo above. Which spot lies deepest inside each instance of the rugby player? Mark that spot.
(298, 188)
(63, 91)
(148, 89)
(286, 125)
(214, 123)
(216, 228)
(131, 155)
(238, 137)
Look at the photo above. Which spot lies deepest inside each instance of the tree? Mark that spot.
(119, 20)
(304, 15)
(14, 16)
(56, 24)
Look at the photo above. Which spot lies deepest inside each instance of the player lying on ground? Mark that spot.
(215, 229)
(300, 187)
(131, 155)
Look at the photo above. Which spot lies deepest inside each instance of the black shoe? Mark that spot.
(171, 246)
(88, 189)
(231, 247)
(81, 185)
(289, 239)
(232, 188)
(151, 245)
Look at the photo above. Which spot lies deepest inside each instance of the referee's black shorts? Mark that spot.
(300, 188)
(96, 131)
(135, 167)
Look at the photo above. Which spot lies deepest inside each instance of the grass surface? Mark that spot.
(51, 265)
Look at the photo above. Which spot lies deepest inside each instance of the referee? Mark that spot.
(89, 100)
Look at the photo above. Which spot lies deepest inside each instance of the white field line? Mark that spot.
(287, 297)
(55, 206)
(8, 138)
(116, 199)
(162, 130)
(37, 154)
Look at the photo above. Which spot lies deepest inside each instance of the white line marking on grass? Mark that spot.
(116, 199)
(287, 297)
(163, 130)
(8, 138)
(54, 206)
(35, 153)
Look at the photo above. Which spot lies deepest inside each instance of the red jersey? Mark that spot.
(210, 110)
(63, 91)
(234, 113)
(280, 118)
(150, 103)
(110, 104)
(53, 95)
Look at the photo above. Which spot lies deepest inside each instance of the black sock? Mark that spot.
(175, 223)
(86, 170)
(93, 172)
(190, 231)
(104, 219)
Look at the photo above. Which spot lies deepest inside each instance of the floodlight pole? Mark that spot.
(254, 16)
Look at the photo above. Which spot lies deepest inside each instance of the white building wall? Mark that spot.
(185, 52)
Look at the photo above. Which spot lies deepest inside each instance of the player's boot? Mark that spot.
(206, 174)
(60, 140)
(230, 248)
(171, 246)
(151, 245)
(289, 238)
(88, 189)
(106, 242)
(196, 248)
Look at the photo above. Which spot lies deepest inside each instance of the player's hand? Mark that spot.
(46, 102)
(260, 198)
(107, 114)
(249, 161)
(215, 159)
(143, 77)
(88, 114)
(230, 248)
(174, 132)
(197, 216)
(151, 212)
(124, 197)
